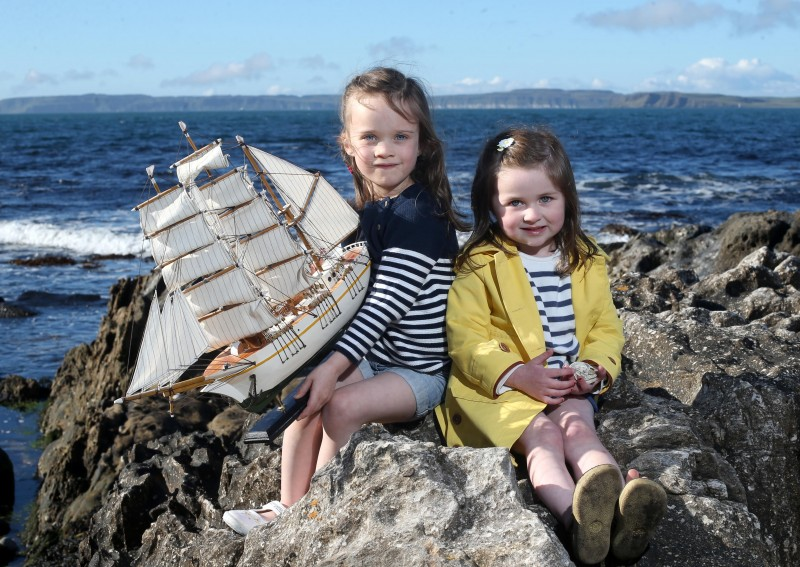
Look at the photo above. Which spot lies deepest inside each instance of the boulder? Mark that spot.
(9, 310)
(17, 391)
(7, 491)
(707, 405)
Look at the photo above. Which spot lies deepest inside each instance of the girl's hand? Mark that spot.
(321, 383)
(548, 385)
(582, 388)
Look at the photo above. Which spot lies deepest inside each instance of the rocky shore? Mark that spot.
(707, 405)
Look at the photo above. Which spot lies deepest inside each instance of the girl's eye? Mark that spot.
(515, 203)
(546, 199)
(401, 137)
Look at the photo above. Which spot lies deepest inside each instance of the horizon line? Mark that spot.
(433, 96)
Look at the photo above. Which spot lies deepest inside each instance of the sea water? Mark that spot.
(68, 184)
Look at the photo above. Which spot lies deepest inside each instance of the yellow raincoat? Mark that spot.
(493, 324)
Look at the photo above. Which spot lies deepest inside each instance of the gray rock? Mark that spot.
(18, 391)
(10, 311)
(706, 405)
(744, 232)
(9, 549)
(7, 490)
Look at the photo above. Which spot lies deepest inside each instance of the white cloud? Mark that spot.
(717, 75)
(472, 85)
(34, 79)
(470, 82)
(140, 61)
(250, 69)
(661, 14)
(770, 14)
(495, 82)
(73, 75)
(317, 80)
(317, 62)
(396, 47)
(278, 90)
(657, 14)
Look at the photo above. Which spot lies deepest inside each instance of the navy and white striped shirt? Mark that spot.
(402, 320)
(553, 294)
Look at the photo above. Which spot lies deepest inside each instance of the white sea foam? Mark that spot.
(83, 240)
(608, 238)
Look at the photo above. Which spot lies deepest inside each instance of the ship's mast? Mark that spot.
(150, 169)
(284, 210)
(186, 135)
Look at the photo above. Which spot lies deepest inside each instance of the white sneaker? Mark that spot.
(242, 521)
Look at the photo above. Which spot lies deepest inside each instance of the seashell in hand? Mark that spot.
(585, 371)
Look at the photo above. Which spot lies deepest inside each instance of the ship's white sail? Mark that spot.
(232, 285)
(207, 158)
(267, 268)
(165, 209)
(321, 213)
(173, 340)
(196, 264)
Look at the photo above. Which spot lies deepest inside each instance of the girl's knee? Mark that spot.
(336, 411)
(298, 428)
(546, 429)
(542, 432)
(578, 428)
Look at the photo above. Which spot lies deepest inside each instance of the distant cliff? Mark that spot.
(521, 98)
(557, 98)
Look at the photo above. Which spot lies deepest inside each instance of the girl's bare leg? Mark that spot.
(384, 398)
(300, 451)
(543, 446)
(583, 449)
(301, 442)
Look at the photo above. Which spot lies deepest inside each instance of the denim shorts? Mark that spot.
(428, 388)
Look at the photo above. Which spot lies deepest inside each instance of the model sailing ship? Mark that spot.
(259, 282)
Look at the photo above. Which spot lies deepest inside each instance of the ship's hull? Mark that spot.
(255, 376)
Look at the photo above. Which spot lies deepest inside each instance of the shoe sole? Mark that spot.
(642, 504)
(593, 505)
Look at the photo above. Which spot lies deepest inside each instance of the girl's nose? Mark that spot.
(531, 214)
(383, 149)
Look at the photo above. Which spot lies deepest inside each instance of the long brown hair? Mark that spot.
(532, 148)
(407, 97)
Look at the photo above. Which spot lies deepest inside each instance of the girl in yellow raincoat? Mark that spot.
(531, 297)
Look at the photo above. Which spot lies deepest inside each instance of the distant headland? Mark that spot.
(521, 99)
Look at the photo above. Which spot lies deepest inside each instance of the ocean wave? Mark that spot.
(83, 240)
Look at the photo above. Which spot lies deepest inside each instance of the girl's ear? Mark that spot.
(348, 147)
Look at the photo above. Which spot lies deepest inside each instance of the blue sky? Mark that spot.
(179, 47)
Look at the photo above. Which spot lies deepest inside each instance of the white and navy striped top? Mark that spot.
(553, 294)
(402, 320)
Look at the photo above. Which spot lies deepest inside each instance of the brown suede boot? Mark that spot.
(641, 506)
(593, 505)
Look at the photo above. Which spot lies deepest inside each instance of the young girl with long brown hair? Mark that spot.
(391, 364)
(530, 299)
